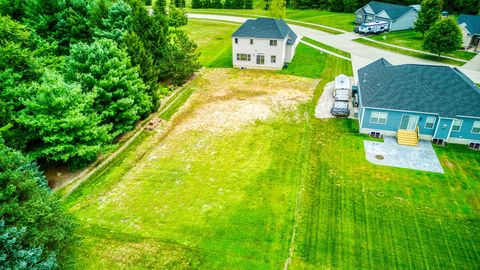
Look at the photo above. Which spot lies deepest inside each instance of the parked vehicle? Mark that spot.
(340, 108)
(373, 27)
(342, 95)
(342, 82)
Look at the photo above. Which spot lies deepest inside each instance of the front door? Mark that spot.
(409, 122)
(260, 59)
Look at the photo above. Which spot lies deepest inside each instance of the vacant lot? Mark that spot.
(213, 190)
(244, 172)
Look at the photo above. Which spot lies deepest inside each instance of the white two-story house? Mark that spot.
(263, 43)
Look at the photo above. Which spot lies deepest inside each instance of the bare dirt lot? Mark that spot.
(229, 99)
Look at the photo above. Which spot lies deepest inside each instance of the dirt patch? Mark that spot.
(154, 124)
(229, 99)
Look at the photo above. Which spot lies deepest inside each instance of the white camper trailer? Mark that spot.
(373, 27)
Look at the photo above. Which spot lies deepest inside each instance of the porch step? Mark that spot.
(407, 137)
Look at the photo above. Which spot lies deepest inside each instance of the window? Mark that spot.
(378, 117)
(457, 124)
(260, 59)
(243, 57)
(476, 127)
(236, 40)
(251, 41)
(430, 122)
(273, 58)
(273, 43)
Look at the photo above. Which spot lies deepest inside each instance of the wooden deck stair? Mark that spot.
(408, 137)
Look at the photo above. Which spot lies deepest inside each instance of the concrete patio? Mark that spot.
(389, 153)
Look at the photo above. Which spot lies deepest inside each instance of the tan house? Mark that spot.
(470, 26)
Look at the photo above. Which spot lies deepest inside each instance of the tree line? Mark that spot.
(74, 76)
(457, 6)
(227, 4)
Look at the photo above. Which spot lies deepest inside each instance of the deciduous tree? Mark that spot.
(277, 9)
(443, 36)
(428, 15)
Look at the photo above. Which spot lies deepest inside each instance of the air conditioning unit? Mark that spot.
(375, 134)
(440, 142)
(474, 145)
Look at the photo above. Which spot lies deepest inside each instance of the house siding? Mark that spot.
(441, 130)
(466, 38)
(259, 46)
(394, 119)
(405, 22)
(465, 135)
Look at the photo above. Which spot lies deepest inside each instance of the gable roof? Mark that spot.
(393, 11)
(265, 28)
(472, 23)
(439, 90)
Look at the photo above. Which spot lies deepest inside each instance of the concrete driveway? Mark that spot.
(390, 153)
(325, 102)
(361, 54)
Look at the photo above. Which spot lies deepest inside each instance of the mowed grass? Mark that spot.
(326, 47)
(338, 20)
(413, 40)
(410, 53)
(195, 200)
(214, 41)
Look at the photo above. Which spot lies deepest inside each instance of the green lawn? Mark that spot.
(413, 40)
(343, 21)
(199, 199)
(327, 47)
(410, 53)
(214, 41)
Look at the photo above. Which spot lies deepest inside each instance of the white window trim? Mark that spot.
(273, 41)
(459, 126)
(256, 59)
(378, 123)
(434, 121)
(473, 126)
(274, 57)
(239, 58)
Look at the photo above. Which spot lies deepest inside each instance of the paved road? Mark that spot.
(361, 54)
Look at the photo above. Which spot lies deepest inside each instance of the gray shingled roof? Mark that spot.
(472, 22)
(394, 11)
(421, 88)
(265, 28)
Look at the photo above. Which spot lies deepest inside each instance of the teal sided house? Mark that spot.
(415, 102)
